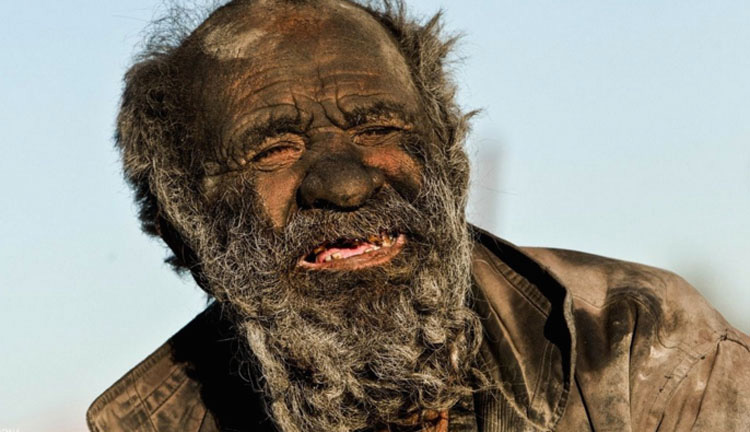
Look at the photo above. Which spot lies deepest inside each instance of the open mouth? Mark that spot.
(355, 253)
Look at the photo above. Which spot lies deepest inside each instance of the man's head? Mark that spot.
(303, 160)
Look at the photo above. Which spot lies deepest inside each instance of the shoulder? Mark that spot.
(198, 381)
(680, 313)
(158, 394)
(646, 346)
(130, 403)
(652, 344)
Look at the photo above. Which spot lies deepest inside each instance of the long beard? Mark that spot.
(345, 350)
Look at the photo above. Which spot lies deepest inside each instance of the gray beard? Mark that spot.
(342, 351)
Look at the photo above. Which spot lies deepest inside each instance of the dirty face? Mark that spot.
(316, 110)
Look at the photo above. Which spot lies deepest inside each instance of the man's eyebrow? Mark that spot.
(360, 115)
(276, 125)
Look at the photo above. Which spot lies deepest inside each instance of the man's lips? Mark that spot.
(353, 254)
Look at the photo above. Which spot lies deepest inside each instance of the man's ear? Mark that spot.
(183, 257)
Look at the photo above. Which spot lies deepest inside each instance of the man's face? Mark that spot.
(327, 221)
(317, 109)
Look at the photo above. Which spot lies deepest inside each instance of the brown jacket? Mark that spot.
(578, 343)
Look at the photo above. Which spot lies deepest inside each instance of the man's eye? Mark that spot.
(377, 135)
(277, 156)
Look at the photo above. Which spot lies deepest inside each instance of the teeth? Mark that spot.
(377, 242)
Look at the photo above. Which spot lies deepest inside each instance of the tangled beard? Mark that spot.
(345, 350)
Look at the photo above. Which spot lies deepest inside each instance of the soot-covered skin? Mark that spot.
(313, 105)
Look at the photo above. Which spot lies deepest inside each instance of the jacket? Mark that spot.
(577, 342)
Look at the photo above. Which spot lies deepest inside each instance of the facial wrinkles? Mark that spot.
(310, 92)
(330, 36)
(325, 29)
(323, 60)
(316, 79)
(318, 100)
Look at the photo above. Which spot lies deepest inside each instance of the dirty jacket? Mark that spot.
(576, 342)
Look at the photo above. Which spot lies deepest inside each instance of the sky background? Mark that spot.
(618, 128)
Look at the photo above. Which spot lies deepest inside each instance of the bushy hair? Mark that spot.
(154, 130)
(409, 347)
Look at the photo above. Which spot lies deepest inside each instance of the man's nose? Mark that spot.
(339, 183)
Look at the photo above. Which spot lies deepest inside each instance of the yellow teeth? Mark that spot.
(377, 242)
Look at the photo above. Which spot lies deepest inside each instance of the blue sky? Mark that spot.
(618, 128)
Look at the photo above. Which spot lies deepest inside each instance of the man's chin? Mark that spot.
(354, 254)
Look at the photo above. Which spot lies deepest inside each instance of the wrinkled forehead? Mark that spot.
(319, 31)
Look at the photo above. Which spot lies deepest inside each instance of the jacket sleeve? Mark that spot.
(715, 395)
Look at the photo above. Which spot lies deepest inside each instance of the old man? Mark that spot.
(303, 159)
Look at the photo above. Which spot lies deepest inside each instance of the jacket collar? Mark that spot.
(529, 335)
(191, 383)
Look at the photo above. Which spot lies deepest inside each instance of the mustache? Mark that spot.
(386, 211)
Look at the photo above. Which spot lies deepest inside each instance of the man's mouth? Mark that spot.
(355, 253)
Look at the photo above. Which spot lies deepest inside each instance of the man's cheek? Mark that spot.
(276, 192)
(402, 172)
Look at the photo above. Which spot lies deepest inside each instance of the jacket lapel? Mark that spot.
(528, 348)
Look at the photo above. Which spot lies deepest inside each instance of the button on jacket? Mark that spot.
(576, 342)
